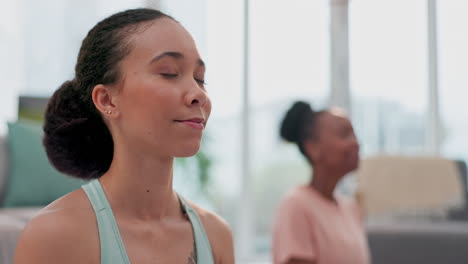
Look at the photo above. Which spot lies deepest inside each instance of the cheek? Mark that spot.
(335, 152)
(145, 107)
(145, 95)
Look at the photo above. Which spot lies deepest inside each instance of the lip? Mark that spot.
(197, 123)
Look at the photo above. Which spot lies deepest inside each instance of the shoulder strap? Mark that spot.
(202, 244)
(112, 247)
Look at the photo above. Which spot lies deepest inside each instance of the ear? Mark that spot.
(104, 98)
(312, 149)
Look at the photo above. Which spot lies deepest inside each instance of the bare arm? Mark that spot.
(41, 243)
(226, 245)
(220, 237)
(30, 250)
(63, 232)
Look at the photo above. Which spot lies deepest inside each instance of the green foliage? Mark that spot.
(199, 165)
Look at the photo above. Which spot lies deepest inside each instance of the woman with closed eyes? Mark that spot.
(136, 102)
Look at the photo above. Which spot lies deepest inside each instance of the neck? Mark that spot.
(325, 181)
(138, 185)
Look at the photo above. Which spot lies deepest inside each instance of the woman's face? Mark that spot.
(336, 146)
(161, 100)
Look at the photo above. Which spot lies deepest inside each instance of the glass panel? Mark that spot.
(224, 36)
(388, 61)
(453, 54)
(289, 61)
(39, 51)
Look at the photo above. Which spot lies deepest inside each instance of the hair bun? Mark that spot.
(76, 140)
(293, 121)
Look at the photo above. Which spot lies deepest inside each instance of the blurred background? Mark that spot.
(398, 67)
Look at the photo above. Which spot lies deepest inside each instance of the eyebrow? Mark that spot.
(175, 55)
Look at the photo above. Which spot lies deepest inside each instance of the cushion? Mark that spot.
(410, 186)
(32, 181)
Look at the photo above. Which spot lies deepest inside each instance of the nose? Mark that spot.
(196, 96)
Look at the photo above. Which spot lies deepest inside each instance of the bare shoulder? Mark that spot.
(63, 232)
(211, 220)
(219, 234)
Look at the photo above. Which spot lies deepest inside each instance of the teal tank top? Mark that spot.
(112, 247)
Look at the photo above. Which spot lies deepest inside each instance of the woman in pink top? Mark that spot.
(312, 226)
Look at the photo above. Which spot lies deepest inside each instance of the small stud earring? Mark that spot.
(107, 112)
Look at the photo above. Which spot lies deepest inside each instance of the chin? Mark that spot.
(187, 151)
(352, 166)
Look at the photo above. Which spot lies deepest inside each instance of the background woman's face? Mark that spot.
(162, 100)
(336, 144)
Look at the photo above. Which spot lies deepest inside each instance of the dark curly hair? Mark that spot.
(299, 124)
(76, 139)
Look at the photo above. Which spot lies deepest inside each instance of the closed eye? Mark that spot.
(200, 81)
(169, 75)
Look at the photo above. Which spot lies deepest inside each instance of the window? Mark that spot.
(31, 40)
(10, 64)
(289, 61)
(388, 74)
(453, 81)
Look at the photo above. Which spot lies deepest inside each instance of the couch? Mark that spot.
(418, 241)
(430, 228)
(12, 221)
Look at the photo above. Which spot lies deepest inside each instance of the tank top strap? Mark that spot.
(202, 244)
(112, 246)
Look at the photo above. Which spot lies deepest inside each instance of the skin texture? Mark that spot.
(161, 85)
